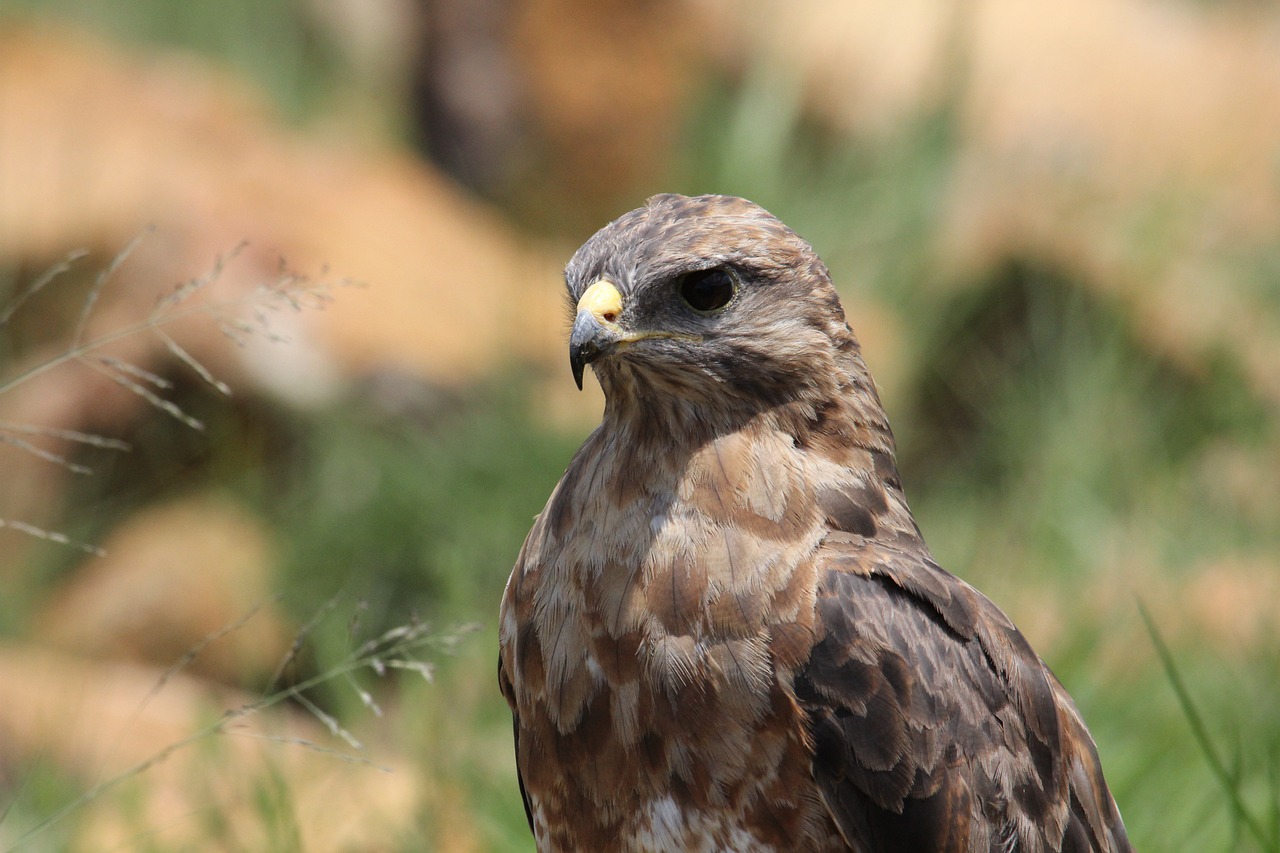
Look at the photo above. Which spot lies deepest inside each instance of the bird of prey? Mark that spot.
(724, 632)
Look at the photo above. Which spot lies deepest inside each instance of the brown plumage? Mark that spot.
(725, 632)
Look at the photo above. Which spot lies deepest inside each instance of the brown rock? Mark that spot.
(176, 579)
(100, 143)
(449, 291)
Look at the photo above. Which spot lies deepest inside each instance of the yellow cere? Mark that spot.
(603, 300)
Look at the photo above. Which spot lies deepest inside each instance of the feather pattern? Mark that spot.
(725, 632)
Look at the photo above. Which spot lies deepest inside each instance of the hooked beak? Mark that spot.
(595, 329)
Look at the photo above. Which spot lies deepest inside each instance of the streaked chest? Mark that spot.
(649, 633)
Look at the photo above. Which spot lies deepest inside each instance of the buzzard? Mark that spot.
(724, 632)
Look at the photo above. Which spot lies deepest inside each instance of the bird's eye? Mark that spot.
(707, 290)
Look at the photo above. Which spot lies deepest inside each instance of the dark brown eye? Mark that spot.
(707, 290)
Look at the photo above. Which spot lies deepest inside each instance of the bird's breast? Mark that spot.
(650, 642)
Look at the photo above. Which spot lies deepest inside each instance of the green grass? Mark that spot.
(1250, 787)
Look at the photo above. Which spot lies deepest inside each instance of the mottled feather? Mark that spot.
(725, 633)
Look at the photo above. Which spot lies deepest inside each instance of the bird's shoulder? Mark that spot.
(936, 725)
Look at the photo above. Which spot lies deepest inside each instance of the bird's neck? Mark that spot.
(842, 429)
(669, 478)
(836, 412)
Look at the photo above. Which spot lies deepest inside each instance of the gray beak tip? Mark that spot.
(587, 343)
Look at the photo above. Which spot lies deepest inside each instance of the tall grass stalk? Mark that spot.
(238, 318)
(1229, 778)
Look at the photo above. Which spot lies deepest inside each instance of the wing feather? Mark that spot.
(505, 684)
(935, 726)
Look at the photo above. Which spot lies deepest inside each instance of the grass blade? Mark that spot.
(39, 284)
(1226, 779)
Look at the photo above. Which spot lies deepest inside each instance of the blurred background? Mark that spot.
(1055, 226)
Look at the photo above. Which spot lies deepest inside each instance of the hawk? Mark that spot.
(725, 632)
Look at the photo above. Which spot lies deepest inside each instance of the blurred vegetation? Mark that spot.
(273, 43)
(1041, 440)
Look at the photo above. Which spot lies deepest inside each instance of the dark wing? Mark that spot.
(935, 725)
(510, 695)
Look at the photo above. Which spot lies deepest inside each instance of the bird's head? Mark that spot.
(702, 300)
